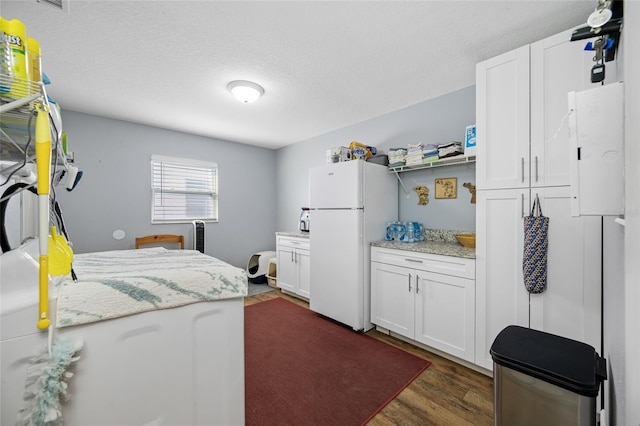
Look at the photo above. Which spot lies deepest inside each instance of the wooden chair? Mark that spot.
(161, 238)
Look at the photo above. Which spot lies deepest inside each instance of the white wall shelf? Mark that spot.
(450, 161)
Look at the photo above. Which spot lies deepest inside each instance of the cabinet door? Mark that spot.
(392, 296)
(501, 298)
(502, 121)
(304, 273)
(287, 275)
(570, 306)
(558, 66)
(445, 313)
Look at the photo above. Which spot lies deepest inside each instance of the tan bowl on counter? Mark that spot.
(467, 240)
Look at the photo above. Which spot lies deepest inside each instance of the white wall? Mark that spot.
(12, 223)
(614, 328)
(622, 250)
(437, 120)
(631, 390)
(456, 214)
(115, 190)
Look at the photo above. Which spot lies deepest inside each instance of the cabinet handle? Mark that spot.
(292, 256)
(413, 260)
(409, 283)
(536, 168)
(521, 205)
(417, 284)
(522, 167)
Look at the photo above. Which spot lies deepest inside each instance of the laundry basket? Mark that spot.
(258, 266)
(272, 274)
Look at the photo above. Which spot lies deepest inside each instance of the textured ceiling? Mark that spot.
(324, 65)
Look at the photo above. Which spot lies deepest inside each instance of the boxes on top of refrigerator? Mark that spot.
(338, 154)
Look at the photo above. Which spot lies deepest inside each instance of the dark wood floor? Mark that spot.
(446, 393)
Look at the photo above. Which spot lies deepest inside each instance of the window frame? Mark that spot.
(197, 167)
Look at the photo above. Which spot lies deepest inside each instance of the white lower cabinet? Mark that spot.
(293, 271)
(570, 306)
(502, 299)
(392, 298)
(424, 297)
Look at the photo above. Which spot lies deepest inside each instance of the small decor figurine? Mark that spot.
(472, 190)
(423, 195)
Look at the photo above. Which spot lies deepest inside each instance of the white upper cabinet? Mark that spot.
(558, 66)
(522, 112)
(502, 121)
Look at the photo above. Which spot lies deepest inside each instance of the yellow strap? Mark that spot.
(43, 150)
(43, 163)
(43, 320)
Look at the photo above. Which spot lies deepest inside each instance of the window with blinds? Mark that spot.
(183, 190)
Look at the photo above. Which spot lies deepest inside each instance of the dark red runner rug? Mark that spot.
(303, 369)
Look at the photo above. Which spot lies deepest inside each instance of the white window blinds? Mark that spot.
(183, 190)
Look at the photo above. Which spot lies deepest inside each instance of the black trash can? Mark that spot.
(544, 379)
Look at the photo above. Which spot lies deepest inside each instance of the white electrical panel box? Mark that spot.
(596, 140)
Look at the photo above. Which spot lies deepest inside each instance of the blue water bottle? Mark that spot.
(410, 233)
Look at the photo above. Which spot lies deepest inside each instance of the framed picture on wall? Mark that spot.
(446, 188)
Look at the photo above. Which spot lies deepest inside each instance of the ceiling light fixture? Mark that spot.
(245, 91)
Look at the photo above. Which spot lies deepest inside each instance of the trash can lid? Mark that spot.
(566, 363)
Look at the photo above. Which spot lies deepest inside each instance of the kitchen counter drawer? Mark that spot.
(294, 234)
(293, 242)
(447, 265)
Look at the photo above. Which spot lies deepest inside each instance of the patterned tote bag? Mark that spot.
(534, 258)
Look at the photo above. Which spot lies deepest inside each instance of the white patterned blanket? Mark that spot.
(116, 283)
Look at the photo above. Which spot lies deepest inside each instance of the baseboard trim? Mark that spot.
(438, 352)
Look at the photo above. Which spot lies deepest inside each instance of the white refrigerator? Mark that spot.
(350, 205)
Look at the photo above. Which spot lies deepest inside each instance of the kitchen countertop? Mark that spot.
(443, 248)
(297, 234)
